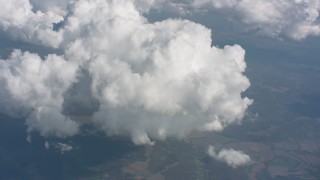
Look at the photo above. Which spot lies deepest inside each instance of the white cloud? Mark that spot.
(33, 20)
(62, 147)
(19, 20)
(151, 80)
(34, 87)
(47, 145)
(230, 156)
(296, 19)
(58, 7)
(168, 78)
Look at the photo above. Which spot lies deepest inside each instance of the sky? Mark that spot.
(146, 70)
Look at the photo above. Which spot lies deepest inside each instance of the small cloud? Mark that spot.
(29, 138)
(62, 147)
(252, 116)
(232, 157)
(47, 145)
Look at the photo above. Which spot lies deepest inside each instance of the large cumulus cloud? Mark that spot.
(150, 80)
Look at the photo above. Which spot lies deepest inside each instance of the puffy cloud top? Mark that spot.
(150, 80)
(20, 20)
(34, 87)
